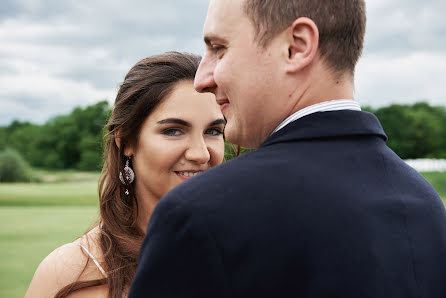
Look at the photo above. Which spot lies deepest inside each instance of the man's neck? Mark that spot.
(322, 86)
(326, 106)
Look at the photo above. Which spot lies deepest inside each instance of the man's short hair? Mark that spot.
(341, 25)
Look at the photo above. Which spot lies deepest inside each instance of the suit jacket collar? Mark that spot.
(328, 124)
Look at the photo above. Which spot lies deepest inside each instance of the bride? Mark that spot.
(161, 133)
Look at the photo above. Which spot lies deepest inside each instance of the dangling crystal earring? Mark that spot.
(128, 176)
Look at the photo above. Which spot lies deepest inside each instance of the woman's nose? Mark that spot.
(198, 151)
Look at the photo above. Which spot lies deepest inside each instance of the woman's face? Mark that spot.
(182, 137)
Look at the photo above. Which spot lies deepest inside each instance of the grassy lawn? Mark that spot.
(64, 175)
(36, 218)
(30, 233)
(49, 194)
(438, 181)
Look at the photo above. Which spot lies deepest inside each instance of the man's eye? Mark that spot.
(214, 131)
(218, 50)
(171, 132)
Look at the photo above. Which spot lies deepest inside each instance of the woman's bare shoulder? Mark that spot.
(65, 265)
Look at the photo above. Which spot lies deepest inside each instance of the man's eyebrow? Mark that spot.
(174, 121)
(218, 122)
(210, 38)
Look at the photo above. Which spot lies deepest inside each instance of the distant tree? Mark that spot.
(397, 126)
(90, 148)
(67, 135)
(427, 128)
(368, 109)
(13, 167)
(66, 141)
(3, 138)
(25, 138)
(414, 131)
(92, 119)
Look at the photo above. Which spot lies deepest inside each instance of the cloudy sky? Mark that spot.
(58, 54)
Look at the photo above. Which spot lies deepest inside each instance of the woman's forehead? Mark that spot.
(187, 104)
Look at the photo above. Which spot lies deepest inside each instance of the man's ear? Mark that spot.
(128, 150)
(303, 44)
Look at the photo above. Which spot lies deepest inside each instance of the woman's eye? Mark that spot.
(214, 132)
(172, 132)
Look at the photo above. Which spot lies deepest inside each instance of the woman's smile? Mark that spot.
(184, 175)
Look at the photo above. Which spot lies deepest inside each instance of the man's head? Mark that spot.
(265, 59)
(341, 25)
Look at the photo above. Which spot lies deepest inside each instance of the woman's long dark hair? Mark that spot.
(144, 87)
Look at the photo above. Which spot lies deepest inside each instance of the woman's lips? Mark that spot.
(184, 175)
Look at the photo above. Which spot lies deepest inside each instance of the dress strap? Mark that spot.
(94, 260)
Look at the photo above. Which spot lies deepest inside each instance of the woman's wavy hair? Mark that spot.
(144, 87)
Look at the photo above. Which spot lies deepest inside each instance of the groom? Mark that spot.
(323, 208)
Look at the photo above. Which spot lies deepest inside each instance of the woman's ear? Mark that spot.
(303, 44)
(128, 148)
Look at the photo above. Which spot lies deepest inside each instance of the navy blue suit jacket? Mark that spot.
(322, 209)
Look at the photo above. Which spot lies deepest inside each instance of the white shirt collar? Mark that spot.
(332, 105)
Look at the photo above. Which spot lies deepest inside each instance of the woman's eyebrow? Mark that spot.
(217, 122)
(174, 121)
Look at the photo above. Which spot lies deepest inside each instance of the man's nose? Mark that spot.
(204, 78)
(198, 151)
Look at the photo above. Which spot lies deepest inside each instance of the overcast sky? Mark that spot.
(58, 54)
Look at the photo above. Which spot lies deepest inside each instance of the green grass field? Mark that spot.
(30, 233)
(438, 181)
(36, 218)
(49, 194)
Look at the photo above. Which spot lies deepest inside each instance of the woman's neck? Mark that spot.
(146, 204)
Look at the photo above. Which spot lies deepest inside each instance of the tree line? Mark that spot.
(414, 131)
(74, 141)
